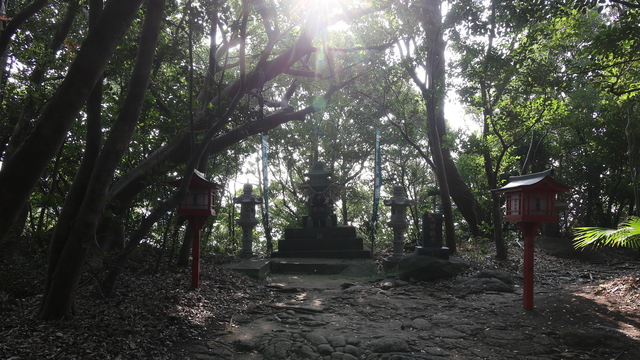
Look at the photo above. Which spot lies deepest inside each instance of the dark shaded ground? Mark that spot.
(583, 310)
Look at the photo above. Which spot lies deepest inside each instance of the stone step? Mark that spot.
(364, 253)
(334, 244)
(334, 232)
(256, 268)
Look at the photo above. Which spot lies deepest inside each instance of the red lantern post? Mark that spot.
(197, 206)
(531, 200)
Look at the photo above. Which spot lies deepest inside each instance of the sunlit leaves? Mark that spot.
(626, 235)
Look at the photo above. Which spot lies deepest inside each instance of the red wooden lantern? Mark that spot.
(201, 199)
(197, 206)
(531, 200)
(532, 197)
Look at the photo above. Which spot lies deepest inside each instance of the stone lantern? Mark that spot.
(197, 206)
(531, 200)
(247, 219)
(399, 203)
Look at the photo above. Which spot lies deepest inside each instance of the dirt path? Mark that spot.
(337, 318)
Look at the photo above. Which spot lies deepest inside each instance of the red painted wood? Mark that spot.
(529, 230)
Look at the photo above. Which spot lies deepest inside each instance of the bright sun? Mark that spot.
(324, 8)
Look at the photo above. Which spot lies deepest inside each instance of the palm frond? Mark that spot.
(626, 235)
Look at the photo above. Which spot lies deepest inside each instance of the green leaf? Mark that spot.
(626, 235)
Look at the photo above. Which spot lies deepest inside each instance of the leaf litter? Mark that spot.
(149, 316)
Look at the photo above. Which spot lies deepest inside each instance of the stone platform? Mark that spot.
(263, 268)
(337, 242)
(256, 268)
(326, 254)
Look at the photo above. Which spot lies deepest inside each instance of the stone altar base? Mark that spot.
(437, 252)
(336, 242)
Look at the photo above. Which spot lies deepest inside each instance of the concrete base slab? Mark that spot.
(257, 268)
(263, 268)
(327, 266)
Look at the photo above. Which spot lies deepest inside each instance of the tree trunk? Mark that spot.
(74, 198)
(466, 202)
(633, 140)
(59, 298)
(13, 25)
(108, 284)
(435, 96)
(490, 173)
(344, 211)
(185, 249)
(496, 213)
(21, 126)
(177, 151)
(266, 70)
(16, 180)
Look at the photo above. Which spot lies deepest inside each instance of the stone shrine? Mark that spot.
(320, 236)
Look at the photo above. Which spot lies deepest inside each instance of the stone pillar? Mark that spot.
(247, 219)
(398, 222)
(432, 237)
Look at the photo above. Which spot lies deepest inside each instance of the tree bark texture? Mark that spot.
(16, 180)
(466, 202)
(434, 97)
(65, 271)
(75, 196)
(21, 126)
(633, 142)
(491, 175)
(13, 25)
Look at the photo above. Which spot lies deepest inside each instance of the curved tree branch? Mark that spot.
(13, 25)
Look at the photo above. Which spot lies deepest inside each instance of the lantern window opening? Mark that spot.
(540, 204)
(198, 199)
(514, 204)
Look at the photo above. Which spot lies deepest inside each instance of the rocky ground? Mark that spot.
(583, 310)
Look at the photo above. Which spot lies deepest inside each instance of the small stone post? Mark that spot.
(247, 219)
(398, 222)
